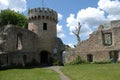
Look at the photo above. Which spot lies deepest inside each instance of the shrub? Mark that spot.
(101, 62)
(55, 62)
(77, 61)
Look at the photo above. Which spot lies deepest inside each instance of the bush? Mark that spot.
(77, 61)
(55, 62)
(102, 62)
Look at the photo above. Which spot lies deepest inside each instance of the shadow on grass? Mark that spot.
(24, 67)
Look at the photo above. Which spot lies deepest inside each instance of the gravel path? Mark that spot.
(57, 69)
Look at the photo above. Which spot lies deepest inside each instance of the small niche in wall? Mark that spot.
(19, 41)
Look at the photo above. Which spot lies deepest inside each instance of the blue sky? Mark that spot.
(90, 13)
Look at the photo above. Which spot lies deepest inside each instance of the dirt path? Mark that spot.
(57, 69)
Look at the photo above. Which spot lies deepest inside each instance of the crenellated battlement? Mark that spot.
(42, 13)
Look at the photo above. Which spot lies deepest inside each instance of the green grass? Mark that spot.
(93, 71)
(28, 74)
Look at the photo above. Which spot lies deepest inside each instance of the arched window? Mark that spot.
(44, 26)
(19, 41)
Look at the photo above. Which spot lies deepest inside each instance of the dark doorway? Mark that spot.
(114, 56)
(90, 58)
(44, 57)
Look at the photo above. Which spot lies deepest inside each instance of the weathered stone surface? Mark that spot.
(98, 45)
(36, 44)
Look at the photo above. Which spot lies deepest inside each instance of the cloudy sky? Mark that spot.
(90, 13)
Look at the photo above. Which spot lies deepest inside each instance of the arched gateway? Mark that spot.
(44, 56)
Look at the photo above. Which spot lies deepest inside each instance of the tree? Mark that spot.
(76, 32)
(8, 16)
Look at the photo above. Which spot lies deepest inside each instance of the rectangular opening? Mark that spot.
(44, 26)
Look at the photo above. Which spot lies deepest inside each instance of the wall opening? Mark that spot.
(44, 57)
(62, 58)
(44, 26)
(7, 61)
(0, 62)
(90, 58)
(19, 41)
(1, 49)
(107, 39)
(114, 56)
(24, 59)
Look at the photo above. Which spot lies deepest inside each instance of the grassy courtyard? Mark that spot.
(93, 72)
(28, 74)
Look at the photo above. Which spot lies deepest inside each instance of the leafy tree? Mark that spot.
(8, 16)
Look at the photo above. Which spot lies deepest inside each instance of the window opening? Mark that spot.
(44, 26)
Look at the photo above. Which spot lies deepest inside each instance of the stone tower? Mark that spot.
(42, 21)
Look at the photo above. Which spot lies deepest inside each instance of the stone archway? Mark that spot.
(61, 58)
(44, 57)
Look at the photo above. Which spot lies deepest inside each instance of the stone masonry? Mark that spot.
(102, 45)
(38, 44)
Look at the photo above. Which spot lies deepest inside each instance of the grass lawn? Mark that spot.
(93, 72)
(29, 74)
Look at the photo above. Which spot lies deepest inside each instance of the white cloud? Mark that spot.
(60, 32)
(71, 45)
(113, 17)
(85, 30)
(71, 23)
(111, 7)
(60, 16)
(87, 18)
(17, 5)
(91, 17)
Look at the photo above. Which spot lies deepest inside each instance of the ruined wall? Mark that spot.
(19, 47)
(19, 37)
(96, 45)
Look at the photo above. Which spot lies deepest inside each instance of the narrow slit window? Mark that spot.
(44, 26)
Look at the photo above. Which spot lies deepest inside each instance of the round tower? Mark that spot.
(43, 21)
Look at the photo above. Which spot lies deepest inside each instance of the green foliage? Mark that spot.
(55, 62)
(77, 61)
(101, 62)
(11, 17)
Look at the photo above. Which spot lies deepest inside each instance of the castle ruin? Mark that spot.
(38, 44)
(102, 45)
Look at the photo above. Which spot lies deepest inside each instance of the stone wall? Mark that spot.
(37, 18)
(96, 45)
(17, 58)
(27, 42)
(37, 42)
(19, 47)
